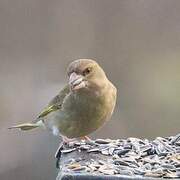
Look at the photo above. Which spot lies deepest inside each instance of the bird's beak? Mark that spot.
(76, 81)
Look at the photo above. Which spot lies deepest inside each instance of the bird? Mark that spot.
(85, 103)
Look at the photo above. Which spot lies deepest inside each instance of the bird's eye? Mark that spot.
(87, 71)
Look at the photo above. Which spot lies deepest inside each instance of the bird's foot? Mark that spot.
(88, 140)
(67, 142)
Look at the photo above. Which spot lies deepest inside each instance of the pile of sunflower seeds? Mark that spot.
(159, 158)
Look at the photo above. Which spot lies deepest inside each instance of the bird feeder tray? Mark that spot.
(120, 159)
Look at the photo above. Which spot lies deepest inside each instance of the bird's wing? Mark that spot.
(55, 103)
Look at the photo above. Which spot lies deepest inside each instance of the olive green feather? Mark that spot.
(48, 110)
(25, 126)
(82, 106)
(54, 105)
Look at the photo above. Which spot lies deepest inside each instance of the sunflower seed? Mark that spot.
(102, 141)
(133, 157)
(94, 150)
(68, 150)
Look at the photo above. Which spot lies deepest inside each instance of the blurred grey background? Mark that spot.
(137, 42)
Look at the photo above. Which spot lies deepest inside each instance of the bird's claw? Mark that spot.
(69, 142)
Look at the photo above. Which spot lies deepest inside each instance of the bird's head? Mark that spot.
(86, 74)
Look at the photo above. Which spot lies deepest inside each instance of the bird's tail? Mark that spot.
(26, 126)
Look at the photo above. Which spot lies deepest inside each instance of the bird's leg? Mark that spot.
(89, 140)
(67, 140)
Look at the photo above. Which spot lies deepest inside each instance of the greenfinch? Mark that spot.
(82, 106)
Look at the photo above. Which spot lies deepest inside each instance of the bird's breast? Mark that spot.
(88, 106)
(86, 112)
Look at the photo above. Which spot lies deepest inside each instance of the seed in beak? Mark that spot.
(76, 81)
